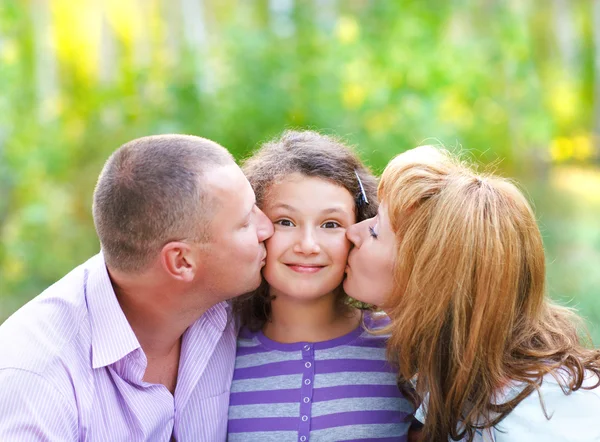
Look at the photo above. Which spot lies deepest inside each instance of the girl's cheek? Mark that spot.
(345, 248)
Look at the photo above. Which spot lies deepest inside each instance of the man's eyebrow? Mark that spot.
(248, 214)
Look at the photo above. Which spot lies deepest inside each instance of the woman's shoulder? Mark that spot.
(564, 417)
(572, 416)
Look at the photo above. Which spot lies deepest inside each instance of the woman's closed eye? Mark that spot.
(372, 232)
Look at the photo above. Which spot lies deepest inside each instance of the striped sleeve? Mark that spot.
(32, 409)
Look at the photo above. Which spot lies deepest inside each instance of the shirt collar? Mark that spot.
(218, 315)
(112, 336)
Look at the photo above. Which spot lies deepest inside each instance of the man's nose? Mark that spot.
(265, 226)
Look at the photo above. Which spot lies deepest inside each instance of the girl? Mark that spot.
(306, 370)
(456, 260)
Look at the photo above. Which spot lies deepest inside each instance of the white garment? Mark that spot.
(573, 418)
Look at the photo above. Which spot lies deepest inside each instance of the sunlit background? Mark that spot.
(514, 83)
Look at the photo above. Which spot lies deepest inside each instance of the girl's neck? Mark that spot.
(315, 320)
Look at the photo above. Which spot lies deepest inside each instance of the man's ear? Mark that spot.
(179, 260)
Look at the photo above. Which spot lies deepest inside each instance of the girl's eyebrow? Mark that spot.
(283, 206)
(330, 210)
(338, 210)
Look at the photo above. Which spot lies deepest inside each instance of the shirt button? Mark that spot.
(306, 347)
(307, 381)
(306, 400)
(303, 438)
(307, 365)
(304, 418)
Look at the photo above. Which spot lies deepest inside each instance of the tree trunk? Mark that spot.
(596, 27)
(196, 39)
(46, 76)
(566, 35)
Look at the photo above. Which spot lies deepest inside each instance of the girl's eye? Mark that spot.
(372, 232)
(330, 225)
(285, 223)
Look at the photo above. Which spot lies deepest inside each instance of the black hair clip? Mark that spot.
(362, 197)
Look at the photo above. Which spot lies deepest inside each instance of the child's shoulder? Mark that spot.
(247, 338)
(374, 334)
(375, 321)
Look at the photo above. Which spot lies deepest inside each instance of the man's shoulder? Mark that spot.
(47, 328)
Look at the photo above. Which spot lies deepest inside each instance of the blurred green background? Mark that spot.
(515, 83)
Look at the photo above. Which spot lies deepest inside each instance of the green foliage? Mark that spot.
(385, 75)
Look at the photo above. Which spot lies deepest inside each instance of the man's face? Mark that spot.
(234, 254)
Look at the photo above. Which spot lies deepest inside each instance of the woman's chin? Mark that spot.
(347, 287)
(350, 291)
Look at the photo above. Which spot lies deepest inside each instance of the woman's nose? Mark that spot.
(354, 233)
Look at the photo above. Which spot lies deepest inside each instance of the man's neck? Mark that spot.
(316, 320)
(157, 313)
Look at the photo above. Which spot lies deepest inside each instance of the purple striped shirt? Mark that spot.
(71, 368)
(337, 390)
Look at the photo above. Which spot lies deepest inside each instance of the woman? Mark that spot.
(456, 260)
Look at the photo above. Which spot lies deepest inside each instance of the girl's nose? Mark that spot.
(308, 244)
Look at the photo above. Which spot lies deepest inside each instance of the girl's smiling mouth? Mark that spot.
(305, 268)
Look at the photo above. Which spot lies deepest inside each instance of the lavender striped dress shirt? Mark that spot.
(71, 368)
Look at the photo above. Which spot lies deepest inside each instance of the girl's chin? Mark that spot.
(299, 294)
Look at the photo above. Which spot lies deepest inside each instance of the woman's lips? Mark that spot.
(304, 268)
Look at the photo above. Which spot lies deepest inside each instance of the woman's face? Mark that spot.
(370, 270)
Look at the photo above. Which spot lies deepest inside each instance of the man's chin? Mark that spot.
(257, 283)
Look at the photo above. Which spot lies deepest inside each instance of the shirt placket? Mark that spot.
(308, 378)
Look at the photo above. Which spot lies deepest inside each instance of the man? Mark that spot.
(136, 343)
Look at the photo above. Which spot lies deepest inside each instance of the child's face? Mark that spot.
(307, 254)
